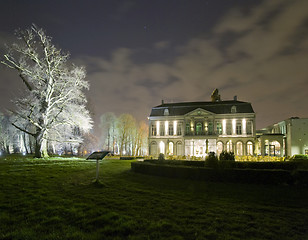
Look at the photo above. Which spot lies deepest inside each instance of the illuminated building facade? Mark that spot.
(286, 138)
(197, 128)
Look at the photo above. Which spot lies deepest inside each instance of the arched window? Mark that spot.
(166, 112)
(153, 148)
(220, 148)
(239, 148)
(249, 148)
(233, 109)
(170, 148)
(179, 150)
(199, 128)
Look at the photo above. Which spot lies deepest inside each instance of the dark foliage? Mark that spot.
(227, 156)
(161, 157)
(299, 158)
(211, 160)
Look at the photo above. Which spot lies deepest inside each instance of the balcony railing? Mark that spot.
(201, 133)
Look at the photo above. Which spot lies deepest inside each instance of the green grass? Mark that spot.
(58, 199)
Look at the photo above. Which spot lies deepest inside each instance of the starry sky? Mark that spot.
(138, 52)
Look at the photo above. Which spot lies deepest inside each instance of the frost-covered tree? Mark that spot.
(53, 98)
(11, 139)
(5, 134)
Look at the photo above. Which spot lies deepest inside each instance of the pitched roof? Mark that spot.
(220, 107)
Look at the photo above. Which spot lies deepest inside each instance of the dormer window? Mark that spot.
(233, 109)
(166, 112)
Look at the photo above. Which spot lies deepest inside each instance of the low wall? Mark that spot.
(257, 176)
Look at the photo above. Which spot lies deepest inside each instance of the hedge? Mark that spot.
(290, 165)
(257, 176)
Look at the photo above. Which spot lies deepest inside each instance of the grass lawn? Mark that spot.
(57, 199)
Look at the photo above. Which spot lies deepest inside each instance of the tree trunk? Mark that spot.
(40, 146)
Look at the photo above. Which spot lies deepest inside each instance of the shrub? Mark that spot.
(161, 157)
(227, 156)
(299, 157)
(211, 160)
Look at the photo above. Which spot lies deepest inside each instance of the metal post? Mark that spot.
(97, 169)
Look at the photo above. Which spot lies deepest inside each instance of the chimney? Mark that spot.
(235, 98)
(162, 102)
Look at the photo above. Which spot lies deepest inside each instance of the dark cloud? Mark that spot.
(258, 54)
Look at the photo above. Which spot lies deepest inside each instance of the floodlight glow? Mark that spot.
(234, 126)
(244, 125)
(157, 127)
(162, 147)
(166, 127)
(224, 123)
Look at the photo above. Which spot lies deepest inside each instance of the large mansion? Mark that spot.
(197, 128)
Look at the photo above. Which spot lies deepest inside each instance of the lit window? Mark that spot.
(219, 128)
(154, 131)
(170, 129)
(179, 129)
(249, 148)
(199, 128)
(238, 128)
(239, 148)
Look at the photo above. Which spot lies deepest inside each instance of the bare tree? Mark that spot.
(142, 138)
(126, 124)
(107, 126)
(5, 134)
(53, 97)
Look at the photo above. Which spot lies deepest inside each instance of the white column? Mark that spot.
(175, 128)
(244, 126)
(233, 126)
(166, 128)
(224, 127)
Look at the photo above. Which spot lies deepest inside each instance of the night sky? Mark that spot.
(137, 53)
